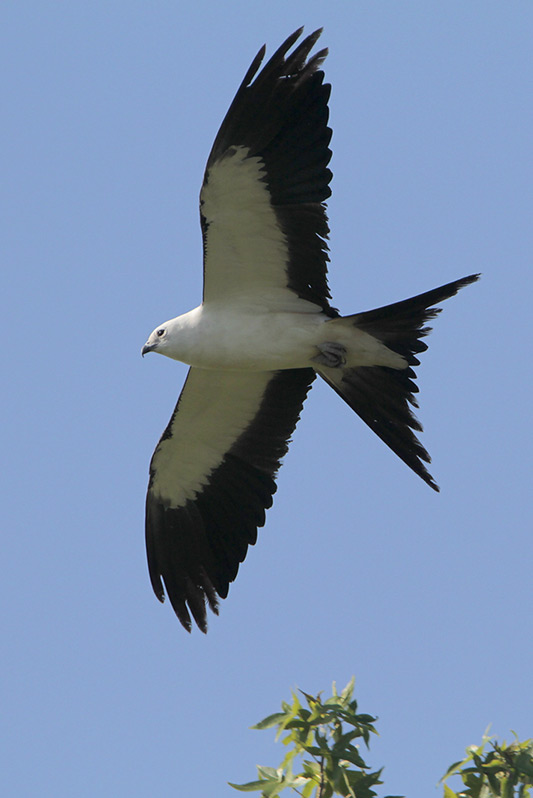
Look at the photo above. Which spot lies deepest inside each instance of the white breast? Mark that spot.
(236, 336)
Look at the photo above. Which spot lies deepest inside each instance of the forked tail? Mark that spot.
(383, 396)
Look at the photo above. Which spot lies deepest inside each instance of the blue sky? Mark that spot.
(111, 111)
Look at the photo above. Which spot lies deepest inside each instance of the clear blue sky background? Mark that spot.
(109, 112)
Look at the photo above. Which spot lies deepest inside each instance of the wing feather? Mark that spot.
(212, 476)
(262, 202)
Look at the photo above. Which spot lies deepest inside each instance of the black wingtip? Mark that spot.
(472, 278)
(428, 479)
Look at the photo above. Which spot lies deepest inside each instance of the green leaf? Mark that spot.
(347, 693)
(308, 789)
(346, 785)
(524, 763)
(273, 789)
(286, 763)
(249, 786)
(453, 768)
(449, 793)
(345, 739)
(355, 758)
(367, 719)
(270, 720)
(507, 787)
(495, 783)
(314, 750)
(311, 769)
(268, 773)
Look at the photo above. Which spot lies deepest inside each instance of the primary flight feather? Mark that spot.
(263, 332)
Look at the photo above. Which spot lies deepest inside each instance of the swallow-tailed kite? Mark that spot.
(263, 332)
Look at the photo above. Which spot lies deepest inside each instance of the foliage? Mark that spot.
(327, 760)
(320, 740)
(505, 771)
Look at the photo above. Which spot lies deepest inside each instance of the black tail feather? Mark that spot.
(401, 325)
(382, 396)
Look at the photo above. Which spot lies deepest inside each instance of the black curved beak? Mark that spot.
(147, 348)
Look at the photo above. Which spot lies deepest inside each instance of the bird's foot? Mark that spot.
(331, 354)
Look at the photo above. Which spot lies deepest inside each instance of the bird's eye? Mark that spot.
(160, 332)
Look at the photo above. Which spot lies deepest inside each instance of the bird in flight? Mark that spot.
(264, 331)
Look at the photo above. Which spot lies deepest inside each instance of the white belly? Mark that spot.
(231, 338)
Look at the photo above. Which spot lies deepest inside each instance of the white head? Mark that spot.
(173, 338)
(158, 340)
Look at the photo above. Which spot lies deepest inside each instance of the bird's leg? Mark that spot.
(331, 354)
